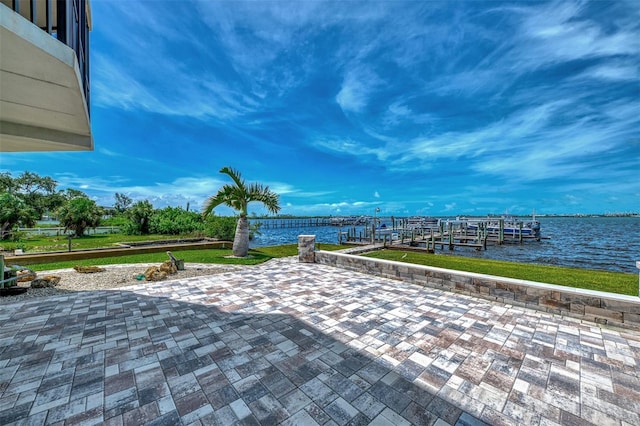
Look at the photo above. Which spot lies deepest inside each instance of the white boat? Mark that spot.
(512, 227)
(422, 222)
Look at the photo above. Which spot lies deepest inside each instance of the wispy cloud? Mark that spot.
(442, 107)
(624, 71)
(357, 87)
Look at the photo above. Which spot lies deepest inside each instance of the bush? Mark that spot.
(175, 221)
(221, 227)
(119, 220)
(139, 217)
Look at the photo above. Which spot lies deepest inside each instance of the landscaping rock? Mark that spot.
(25, 275)
(153, 273)
(88, 269)
(169, 267)
(46, 281)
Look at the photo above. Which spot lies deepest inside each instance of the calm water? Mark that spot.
(606, 243)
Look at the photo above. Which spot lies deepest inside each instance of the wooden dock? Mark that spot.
(312, 222)
(292, 223)
(445, 235)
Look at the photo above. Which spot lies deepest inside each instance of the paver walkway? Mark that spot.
(306, 344)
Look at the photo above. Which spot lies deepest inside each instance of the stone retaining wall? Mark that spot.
(601, 307)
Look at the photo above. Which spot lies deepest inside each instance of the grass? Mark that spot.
(613, 282)
(215, 256)
(43, 243)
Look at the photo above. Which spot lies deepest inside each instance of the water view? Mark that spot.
(605, 243)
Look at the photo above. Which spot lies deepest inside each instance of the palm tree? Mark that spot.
(238, 196)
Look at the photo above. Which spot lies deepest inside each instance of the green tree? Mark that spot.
(13, 211)
(70, 193)
(60, 198)
(38, 192)
(122, 202)
(139, 215)
(78, 214)
(238, 196)
(7, 183)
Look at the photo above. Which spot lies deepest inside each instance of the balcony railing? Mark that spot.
(69, 21)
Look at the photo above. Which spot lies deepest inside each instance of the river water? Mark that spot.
(604, 243)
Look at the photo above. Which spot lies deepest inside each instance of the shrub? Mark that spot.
(175, 221)
(221, 227)
(119, 220)
(139, 217)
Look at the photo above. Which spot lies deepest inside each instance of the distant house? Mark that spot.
(44, 77)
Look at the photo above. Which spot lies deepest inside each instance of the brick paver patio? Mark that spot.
(306, 344)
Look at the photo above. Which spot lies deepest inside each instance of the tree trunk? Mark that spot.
(241, 240)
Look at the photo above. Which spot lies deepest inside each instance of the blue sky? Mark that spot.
(432, 108)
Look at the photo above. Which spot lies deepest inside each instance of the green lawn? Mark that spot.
(216, 256)
(613, 282)
(42, 243)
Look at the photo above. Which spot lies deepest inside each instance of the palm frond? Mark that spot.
(235, 175)
(264, 195)
(239, 195)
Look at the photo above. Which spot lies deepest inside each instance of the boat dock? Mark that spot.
(449, 234)
(312, 222)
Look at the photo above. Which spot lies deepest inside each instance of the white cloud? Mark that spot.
(109, 152)
(121, 85)
(613, 72)
(350, 147)
(572, 199)
(450, 207)
(376, 194)
(558, 32)
(357, 87)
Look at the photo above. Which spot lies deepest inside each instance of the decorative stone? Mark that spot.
(25, 275)
(168, 267)
(88, 269)
(306, 248)
(153, 273)
(46, 281)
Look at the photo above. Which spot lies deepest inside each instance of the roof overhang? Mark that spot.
(42, 102)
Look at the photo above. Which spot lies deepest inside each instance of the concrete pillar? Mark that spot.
(306, 248)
